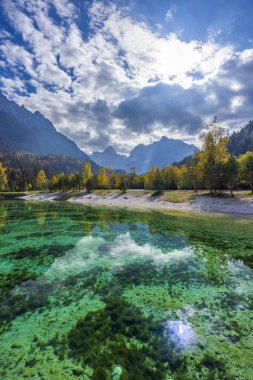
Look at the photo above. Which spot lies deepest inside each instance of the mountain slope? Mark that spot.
(22, 130)
(109, 158)
(242, 141)
(159, 153)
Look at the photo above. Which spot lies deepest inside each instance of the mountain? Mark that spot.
(242, 141)
(159, 153)
(109, 157)
(25, 131)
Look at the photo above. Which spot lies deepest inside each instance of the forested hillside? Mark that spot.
(23, 167)
(242, 141)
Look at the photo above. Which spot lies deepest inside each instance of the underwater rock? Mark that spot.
(180, 334)
(117, 371)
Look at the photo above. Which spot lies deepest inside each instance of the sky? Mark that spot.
(126, 72)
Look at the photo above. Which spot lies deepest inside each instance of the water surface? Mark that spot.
(94, 293)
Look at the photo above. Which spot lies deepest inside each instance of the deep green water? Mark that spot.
(94, 293)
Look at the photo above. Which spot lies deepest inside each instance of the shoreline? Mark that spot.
(143, 200)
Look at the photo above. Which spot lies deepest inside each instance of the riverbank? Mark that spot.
(241, 204)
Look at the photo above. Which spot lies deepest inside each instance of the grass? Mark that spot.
(180, 196)
(139, 193)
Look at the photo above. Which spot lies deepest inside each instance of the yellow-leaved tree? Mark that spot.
(246, 169)
(87, 176)
(53, 182)
(102, 177)
(3, 178)
(41, 180)
(214, 156)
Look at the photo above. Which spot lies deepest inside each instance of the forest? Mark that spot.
(213, 168)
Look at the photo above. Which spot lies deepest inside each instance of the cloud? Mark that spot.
(163, 104)
(169, 14)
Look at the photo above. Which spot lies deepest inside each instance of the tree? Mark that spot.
(131, 176)
(110, 177)
(215, 156)
(102, 177)
(195, 172)
(87, 176)
(249, 168)
(123, 185)
(41, 180)
(150, 178)
(3, 178)
(246, 168)
(60, 179)
(76, 180)
(231, 172)
(171, 177)
(53, 182)
(115, 180)
(159, 181)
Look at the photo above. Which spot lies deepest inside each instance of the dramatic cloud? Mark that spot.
(165, 104)
(105, 77)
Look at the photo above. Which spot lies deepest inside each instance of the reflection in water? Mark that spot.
(107, 294)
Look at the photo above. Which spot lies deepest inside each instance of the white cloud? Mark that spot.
(236, 102)
(169, 14)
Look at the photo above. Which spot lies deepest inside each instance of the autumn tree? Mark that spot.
(102, 177)
(41, 180)
(76, 179)
(149, 179)
(3, 177)
(53, 182)
(231, 172)
(215, 156)
(115, 180)
(60, 179)
(87, 176)
(171, 177)
(195, 172)
(159, 182)
(246, 168)
(110, 177)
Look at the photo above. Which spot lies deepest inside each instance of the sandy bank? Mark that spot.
(239, 205)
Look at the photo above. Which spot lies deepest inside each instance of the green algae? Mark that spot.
(94, 293)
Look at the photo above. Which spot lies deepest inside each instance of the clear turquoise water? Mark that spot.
(94, 293)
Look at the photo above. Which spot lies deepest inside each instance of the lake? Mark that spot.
(99, 293)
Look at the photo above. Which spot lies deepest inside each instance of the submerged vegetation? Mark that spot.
(124, 295)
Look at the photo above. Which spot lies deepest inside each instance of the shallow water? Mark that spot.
(94, 293)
